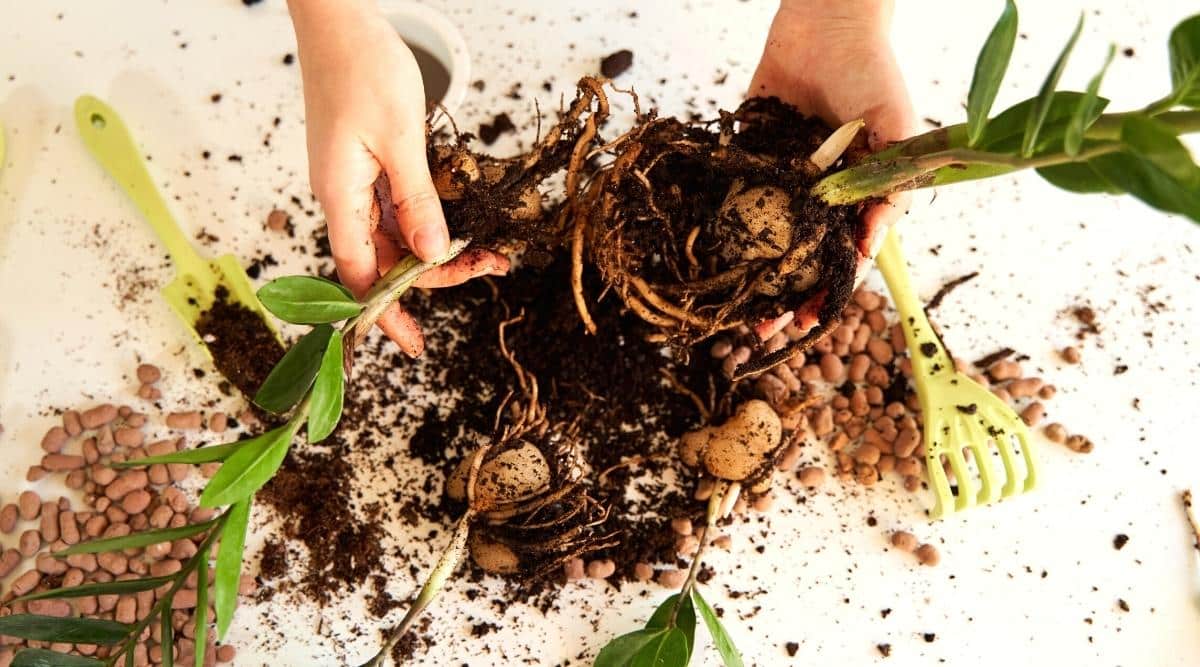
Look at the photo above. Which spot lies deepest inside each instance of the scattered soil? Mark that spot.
(946, 289)
(501, 124)
(243, 347)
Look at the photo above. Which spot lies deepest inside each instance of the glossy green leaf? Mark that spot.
(229, 564)
(1041, 104)
(668, 648)
(989, 71)
(685, 619)
(308, 300)
(1085, 112)
(1155, 167)
(102, 588)
(64, 629)
(134, 540)
(721, 639)
(201, 616)
(328, 392)
(1006, 131)
(249, 468)
(40, 657)
(289, 381)
(193, 456)
(1184, 48)
(1078, 177)
(167, 638)
(621, 651)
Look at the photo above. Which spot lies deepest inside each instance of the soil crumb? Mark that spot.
(243, 347)
(616, 64)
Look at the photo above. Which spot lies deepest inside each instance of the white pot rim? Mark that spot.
(431, 30)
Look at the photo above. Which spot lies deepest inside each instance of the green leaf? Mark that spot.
(40, 657)
(65, 629)
(1041, 105)
(685, 619)
(621, 651)
(167, 638)
(229, 564)
(1078, 177)
(308, 300)
(195, 455)
(669, 648)
(293, 375)
(134, 540)
(1006, 131)
(201, 611)
(328, 392)
(989, 71)
(721, 639)
(1085, 113)
(1184, 48)
(103, 588)
(1155, 167)
(249, 468)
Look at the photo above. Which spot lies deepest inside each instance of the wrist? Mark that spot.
(821, 16)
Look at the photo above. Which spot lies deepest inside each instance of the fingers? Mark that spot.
(401, 327)
(343, 184)
(415, 203)
(470, 264)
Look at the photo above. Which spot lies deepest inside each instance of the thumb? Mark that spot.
(414, 201)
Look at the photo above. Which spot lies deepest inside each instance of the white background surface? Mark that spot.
(1032, 581)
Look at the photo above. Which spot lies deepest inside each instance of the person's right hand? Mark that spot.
(365, 113)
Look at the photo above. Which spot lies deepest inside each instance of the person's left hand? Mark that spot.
(832, 59)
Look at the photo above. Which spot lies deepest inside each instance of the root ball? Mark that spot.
(738, 448)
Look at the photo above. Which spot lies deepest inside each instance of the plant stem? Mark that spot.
(714, 504)
(433, 585)
(394, 283)
(202, 552)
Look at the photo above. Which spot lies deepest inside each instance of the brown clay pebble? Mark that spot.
(643, 572)
(1079, 444)
(9, 560)
(904, 540)
(71, 423)
(49, 524)
(1055, 432)
(1047, 392)
(1005, 370)
(226, 653)
(128, 437)
(98, 416)
(8, 518)
(1069, 355)
(928, 555)
(27, 582)
(1033, 413)
(30, 504)
(867, 454)
(148, 374)
(185, 421)
(68, 529)
(217, 423)
(1024, 388)
(601, 569)
(62, 462)
(671, 578)
(54, 439)
(29, 543)
(136, 502)
(812, 476)
(832, 368)
(881, 352)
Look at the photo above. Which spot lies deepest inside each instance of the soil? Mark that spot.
(616, 64)
(501, 124)
(243, 348)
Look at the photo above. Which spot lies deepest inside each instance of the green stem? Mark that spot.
(394, 283)
(180, 579)
(722, 487)
(433, 585)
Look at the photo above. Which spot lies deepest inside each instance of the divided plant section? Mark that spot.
(697, 228)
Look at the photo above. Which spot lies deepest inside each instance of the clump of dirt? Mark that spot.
(243, 347)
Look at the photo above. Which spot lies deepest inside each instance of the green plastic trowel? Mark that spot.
(196, 277)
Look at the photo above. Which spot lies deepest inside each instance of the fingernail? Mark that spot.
(431, 242)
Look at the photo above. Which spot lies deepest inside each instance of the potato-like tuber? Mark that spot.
(492, 556)
(756, 223)
(511, 476)
(738, 448)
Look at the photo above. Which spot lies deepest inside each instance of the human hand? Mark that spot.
(364, 106)
(832, 59)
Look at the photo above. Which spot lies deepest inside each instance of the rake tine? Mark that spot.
(944, 502)
(962, 474)
(1003, 442)
(978, 439)
(1031, 475)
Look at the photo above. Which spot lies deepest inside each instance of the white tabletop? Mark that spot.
(1034, 580)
